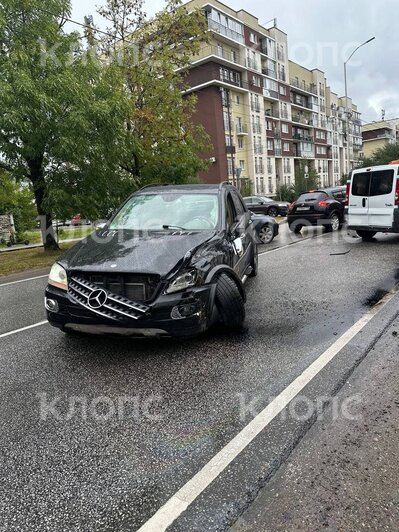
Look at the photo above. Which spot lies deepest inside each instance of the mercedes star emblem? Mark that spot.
(97, 299)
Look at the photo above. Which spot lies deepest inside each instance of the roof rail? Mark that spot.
(224, 183)
(153, 185)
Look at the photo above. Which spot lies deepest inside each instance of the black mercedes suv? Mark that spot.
(171, 262)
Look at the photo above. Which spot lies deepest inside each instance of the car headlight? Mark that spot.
(58, 277)
(182, 281)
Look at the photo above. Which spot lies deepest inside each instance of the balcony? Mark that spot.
(228, 55)
(274, 113)
(303, 86)
(252, 64)
(224, 30)
(269, 72)
(300, 102)
(301, 137)
(267, 93)
(301, 120)
(241, 129)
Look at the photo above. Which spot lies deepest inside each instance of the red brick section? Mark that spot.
(210, 115)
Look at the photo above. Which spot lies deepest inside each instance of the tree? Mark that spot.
(285, 193)
(17, 200)
(61, 115)
(301, 183)
(154, 55)
(383, 155)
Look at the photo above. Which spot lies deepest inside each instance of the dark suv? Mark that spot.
(318, 207)
(171, 262)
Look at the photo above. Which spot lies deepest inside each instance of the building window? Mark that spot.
(238, 100)
(230, 166)
(268, 125)
(270, 145)
(283, 90)
(321, 150)
(242, 164)
(240, 143)
(253, 38)
(284, 128)
(286, 146)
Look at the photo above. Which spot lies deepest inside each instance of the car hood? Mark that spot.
(132, 252)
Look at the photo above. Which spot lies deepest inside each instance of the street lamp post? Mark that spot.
(346, 99)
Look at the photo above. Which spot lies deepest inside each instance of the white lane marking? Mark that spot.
(24, 280)
(10, 333)
(182, 499)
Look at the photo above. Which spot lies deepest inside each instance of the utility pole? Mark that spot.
(226, 93)
(346, 101)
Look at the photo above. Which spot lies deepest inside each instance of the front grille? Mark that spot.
(136, 287)
(115, 307)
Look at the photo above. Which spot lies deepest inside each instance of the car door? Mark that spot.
(358, 210)
(382, 197)
(242, 237)
(258, 206)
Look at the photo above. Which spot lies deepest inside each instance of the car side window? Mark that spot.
(238, 204)
(230, 211)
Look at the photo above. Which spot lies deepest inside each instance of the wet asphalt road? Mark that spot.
(111, 469)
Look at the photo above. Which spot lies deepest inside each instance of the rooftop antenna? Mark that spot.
(382, 114)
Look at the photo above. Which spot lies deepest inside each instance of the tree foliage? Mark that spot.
(85, 132)
(383, 155)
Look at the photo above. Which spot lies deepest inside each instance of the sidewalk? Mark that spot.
(34, 246)
(344, 474)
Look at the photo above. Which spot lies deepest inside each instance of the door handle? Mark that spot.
(388, 204)
(364, 202)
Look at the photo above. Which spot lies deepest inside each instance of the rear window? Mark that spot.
(361, 184)
(381, 182)
(312, 196)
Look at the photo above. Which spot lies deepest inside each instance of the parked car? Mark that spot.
(373, 200)
(316, 208)
(263, 205)
(338, 193)
(265, 227)
(171, 262)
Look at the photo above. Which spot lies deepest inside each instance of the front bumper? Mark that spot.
(198, 302)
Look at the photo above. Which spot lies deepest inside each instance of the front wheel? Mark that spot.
(266, 234)
(334, 223)
(229, 302)
(273, 211)
(296, 228)
(366, 235)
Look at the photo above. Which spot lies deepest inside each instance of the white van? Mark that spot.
(373, 200)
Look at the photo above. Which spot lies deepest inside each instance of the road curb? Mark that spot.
(230, 495)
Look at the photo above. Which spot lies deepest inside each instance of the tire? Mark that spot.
(273, 211)
(296, 228)
(229, 302)
(266, 234)
(254, 263)
(366, 235)
(334, 223)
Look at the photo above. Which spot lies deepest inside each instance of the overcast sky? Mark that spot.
(322, 34)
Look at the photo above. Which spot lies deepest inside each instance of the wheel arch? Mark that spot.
(223, 268)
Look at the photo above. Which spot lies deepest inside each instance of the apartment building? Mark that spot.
(264, 113)
(378, 134)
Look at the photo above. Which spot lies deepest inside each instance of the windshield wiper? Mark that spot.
(174, 227)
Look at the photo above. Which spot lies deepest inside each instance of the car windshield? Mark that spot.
(168, 211)
(312, 196)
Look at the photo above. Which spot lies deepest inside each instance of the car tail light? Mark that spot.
(348, 187)
(397, 192)
(323, 203)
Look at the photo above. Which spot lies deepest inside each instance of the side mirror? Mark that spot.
(100, 226)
